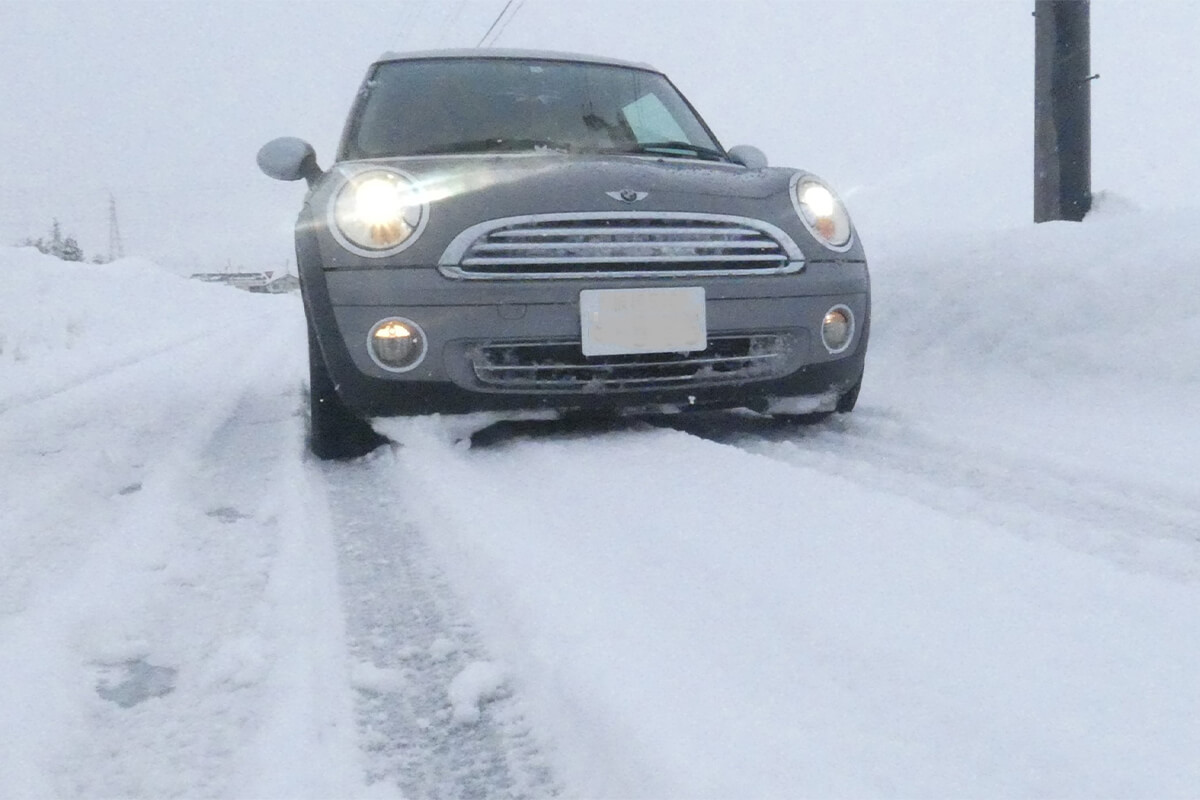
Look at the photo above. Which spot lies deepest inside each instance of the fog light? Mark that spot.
(396, 344)
(837, 329)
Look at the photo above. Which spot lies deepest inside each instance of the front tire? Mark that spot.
(335, 432)
(847, 401)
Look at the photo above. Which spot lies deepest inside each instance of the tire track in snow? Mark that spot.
(416, 650)
(1137, 523)
(87, 445)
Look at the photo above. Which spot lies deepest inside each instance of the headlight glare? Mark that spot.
(818, 199)
(378, 212)
(822, 212)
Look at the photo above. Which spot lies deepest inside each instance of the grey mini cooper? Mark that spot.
(522, 230)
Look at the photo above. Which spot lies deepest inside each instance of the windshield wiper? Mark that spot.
(682, 149)
(495, 145)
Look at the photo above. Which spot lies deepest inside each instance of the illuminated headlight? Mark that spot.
(397, 344)
(837, 329)
(822, 212)
(378, 212)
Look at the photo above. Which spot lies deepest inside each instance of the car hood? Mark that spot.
(589, 176)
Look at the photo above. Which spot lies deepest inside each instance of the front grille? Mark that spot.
(561, 366)
(620, 245)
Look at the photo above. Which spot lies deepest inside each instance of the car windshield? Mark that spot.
(487, 105)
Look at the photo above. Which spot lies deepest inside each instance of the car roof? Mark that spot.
(541, 55)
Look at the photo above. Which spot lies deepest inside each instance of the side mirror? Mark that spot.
(748, 156)
(289, 159)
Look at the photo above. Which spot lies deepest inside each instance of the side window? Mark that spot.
(650, 121)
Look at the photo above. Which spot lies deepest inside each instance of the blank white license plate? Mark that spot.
(625, 321)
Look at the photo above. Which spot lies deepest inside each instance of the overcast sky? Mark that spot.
(164, 103)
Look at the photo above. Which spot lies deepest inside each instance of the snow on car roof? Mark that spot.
(475, 52)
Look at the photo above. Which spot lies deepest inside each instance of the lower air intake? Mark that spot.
(541, 366)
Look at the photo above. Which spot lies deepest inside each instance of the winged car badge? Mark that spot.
(628, 195)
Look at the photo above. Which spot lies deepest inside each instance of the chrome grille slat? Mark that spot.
(620, 244)
(561, 366)
(648, 230)
(696, 244)
(599, 260)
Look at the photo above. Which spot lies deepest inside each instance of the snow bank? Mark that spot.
(1117, 295)
(61, 321)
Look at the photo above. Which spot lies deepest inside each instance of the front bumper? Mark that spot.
(461, 319)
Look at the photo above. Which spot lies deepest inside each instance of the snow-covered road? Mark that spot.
(984, 582)
(791, 611)
(169, 601)
(192, 608)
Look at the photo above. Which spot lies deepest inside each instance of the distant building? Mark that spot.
(265, 282)
(283, 284)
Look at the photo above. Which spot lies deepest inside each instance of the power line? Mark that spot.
(495, 22)
(504, 27)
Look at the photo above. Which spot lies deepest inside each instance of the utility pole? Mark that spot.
(116, 248)
(1062, 160)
